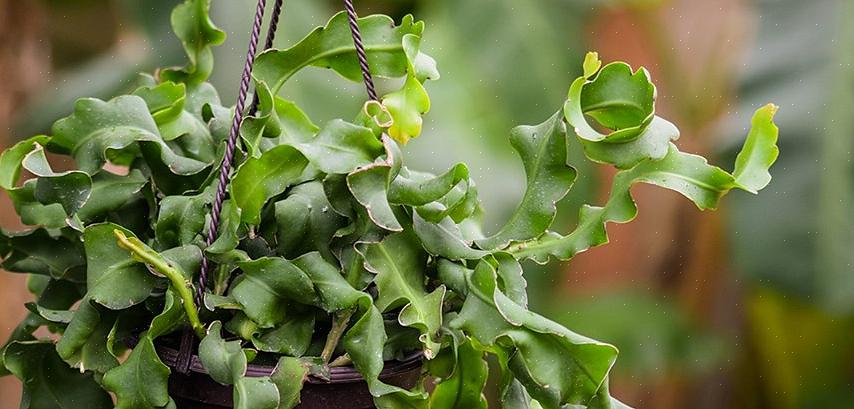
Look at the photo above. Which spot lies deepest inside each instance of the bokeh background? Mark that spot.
(748, 307)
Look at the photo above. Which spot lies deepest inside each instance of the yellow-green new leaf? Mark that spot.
(759, 152)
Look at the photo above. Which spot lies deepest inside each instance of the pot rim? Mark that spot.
(342, 374)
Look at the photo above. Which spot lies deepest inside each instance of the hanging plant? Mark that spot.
(324, 259)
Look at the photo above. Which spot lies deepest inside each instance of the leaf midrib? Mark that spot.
(333, 52)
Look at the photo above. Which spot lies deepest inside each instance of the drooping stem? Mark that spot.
(339, 324)
(179, 283)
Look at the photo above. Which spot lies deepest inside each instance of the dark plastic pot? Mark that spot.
(346, 388)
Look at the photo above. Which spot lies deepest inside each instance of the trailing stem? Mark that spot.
(179, 283)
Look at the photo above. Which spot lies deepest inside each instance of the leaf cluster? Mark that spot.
(330, 251)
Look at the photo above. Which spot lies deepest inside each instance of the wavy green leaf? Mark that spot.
(28, 207)
(687, 174)
(259, 179)
(760, 151)
(193, 26)
(444, 239)
(110, 192)
(84, 344)
(289, 376)
(556, 365)
(141, 382)
(268, 285)
(48, 382)
(332, 47)
(399, 264)
(652, 144)
(615, 97)
(188, 133)
(97, 129)
(113, 278)
(463, 387)
(39, 252)
(370, 185)
(407, 105)
(305, 221)
(226, 362)
(182, 219)
(341, 147)
(419, 188)
(70, 189)
(543, 152)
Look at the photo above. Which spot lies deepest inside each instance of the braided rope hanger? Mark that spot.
(185, 352)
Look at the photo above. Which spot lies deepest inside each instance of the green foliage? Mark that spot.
(330, 250)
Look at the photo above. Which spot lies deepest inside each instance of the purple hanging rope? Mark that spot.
(185, 352)
(360, 49)
(231, 144)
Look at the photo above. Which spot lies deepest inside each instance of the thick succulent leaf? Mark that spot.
(305, 221)
(364, 344)
(283, 123)
(418, 188)
(340, 147)
(187, 131)
(334, 292)
(399, 264)
(31, 211)
(444, 239)
(556, 366)
(141, 382)
(366, 339)
(229, 230)
(84, 344)
(685, 173)
(97, 127)
(110, 192)
(292, 337)
(617, 98)
(289, 376)
(652, 144)
(113, 278)
(48, 382)
(332, 47)
(255, 393)
(12, 159)
(171, 319)
(181, 219)
(268, 286)
(259, 179)
(34, 213)
(543, 152)
(38, 252)
(511, 278)
(69, 189)
(760, 151)
(463, 387)
(193, 26)
(407, 105)
(226, 363)
(604, 400)
(370, 185)
(453, 275)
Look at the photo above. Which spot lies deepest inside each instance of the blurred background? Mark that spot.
(748, 307)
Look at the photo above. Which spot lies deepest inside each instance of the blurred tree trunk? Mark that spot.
(24, 66)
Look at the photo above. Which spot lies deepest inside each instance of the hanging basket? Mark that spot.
(345, 389)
